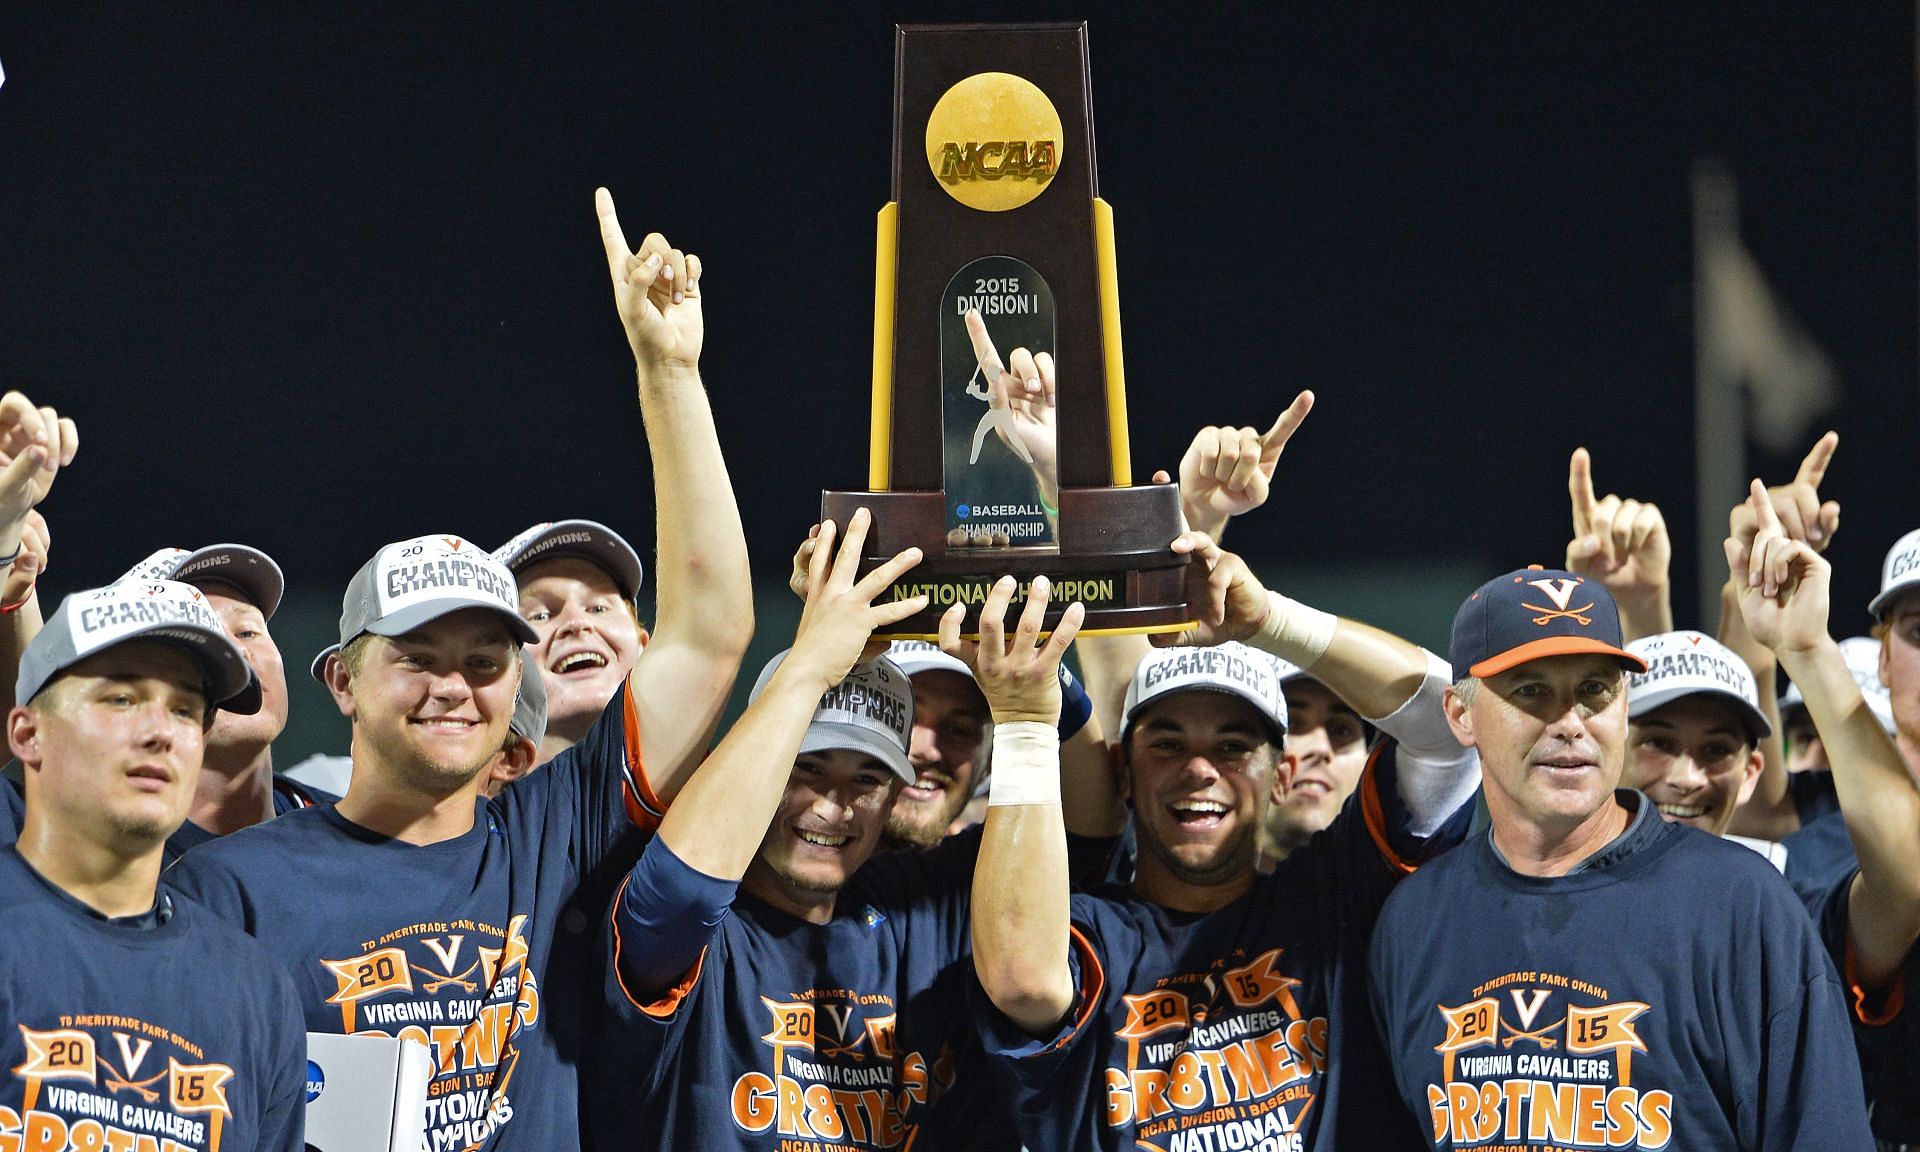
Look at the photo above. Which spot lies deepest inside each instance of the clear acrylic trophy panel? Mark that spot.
(997, 440)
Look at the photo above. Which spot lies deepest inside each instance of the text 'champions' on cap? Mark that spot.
(587, 539)
(1231, 668)
(249, 571)
(87, 623)
(1688, 663)
(870, 711)
(413, 582)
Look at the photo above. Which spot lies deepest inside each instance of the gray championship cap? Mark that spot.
(249, 570)
(530, 702)
(1688, 663)
(94, 621)
(917, 656)
(870, 711)
(417, 581)
(1231, 668)
(1862, 654)
(587, 539)
(1898, 572)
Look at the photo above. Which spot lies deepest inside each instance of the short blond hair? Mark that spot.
(353, 654)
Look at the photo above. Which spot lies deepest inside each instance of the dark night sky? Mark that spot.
(317, 277)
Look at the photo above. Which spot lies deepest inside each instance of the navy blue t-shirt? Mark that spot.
(1886, 1022)
(1674, 996)
(289, 795)
(164, 1031)
(854, 1033)
(1246, 1027)
(1820, 852)
(477, 946)
(13, 812)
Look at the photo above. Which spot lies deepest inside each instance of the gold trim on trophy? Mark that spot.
(885, 261)
(1108, 269)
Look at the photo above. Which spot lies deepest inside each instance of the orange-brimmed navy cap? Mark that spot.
(1533, 613)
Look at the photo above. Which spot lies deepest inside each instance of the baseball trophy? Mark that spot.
(999, 437)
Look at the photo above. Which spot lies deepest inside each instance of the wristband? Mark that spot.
(9, 609)
(1076, 708)
(7, 561)
(1026, 764)
(1294, 631)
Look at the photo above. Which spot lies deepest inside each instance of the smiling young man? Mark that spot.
(1588, 974)
(1205, 1005)
(578, 580)
(1328, 741)
(774, 980)
(952, 742)
(445, 909)
(1695, 728)
(948, 749)
(416, 907)
(115, 1036)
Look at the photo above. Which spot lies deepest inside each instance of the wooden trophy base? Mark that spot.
(1113, 557)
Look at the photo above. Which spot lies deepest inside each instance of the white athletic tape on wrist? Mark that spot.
(1026, 764)
(1295, 631)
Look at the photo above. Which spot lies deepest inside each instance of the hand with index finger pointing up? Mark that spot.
(1797, 505)
(1622, 543)
(1782, 583)
(1228, 471)
(657, 291)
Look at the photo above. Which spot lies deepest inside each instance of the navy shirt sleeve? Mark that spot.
(1042, 1063)
(666, 914)
(1889, 1047)
(1886, 1026)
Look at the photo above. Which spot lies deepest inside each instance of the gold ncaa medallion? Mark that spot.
(994, 141)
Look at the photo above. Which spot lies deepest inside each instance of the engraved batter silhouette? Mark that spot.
(986, 384)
